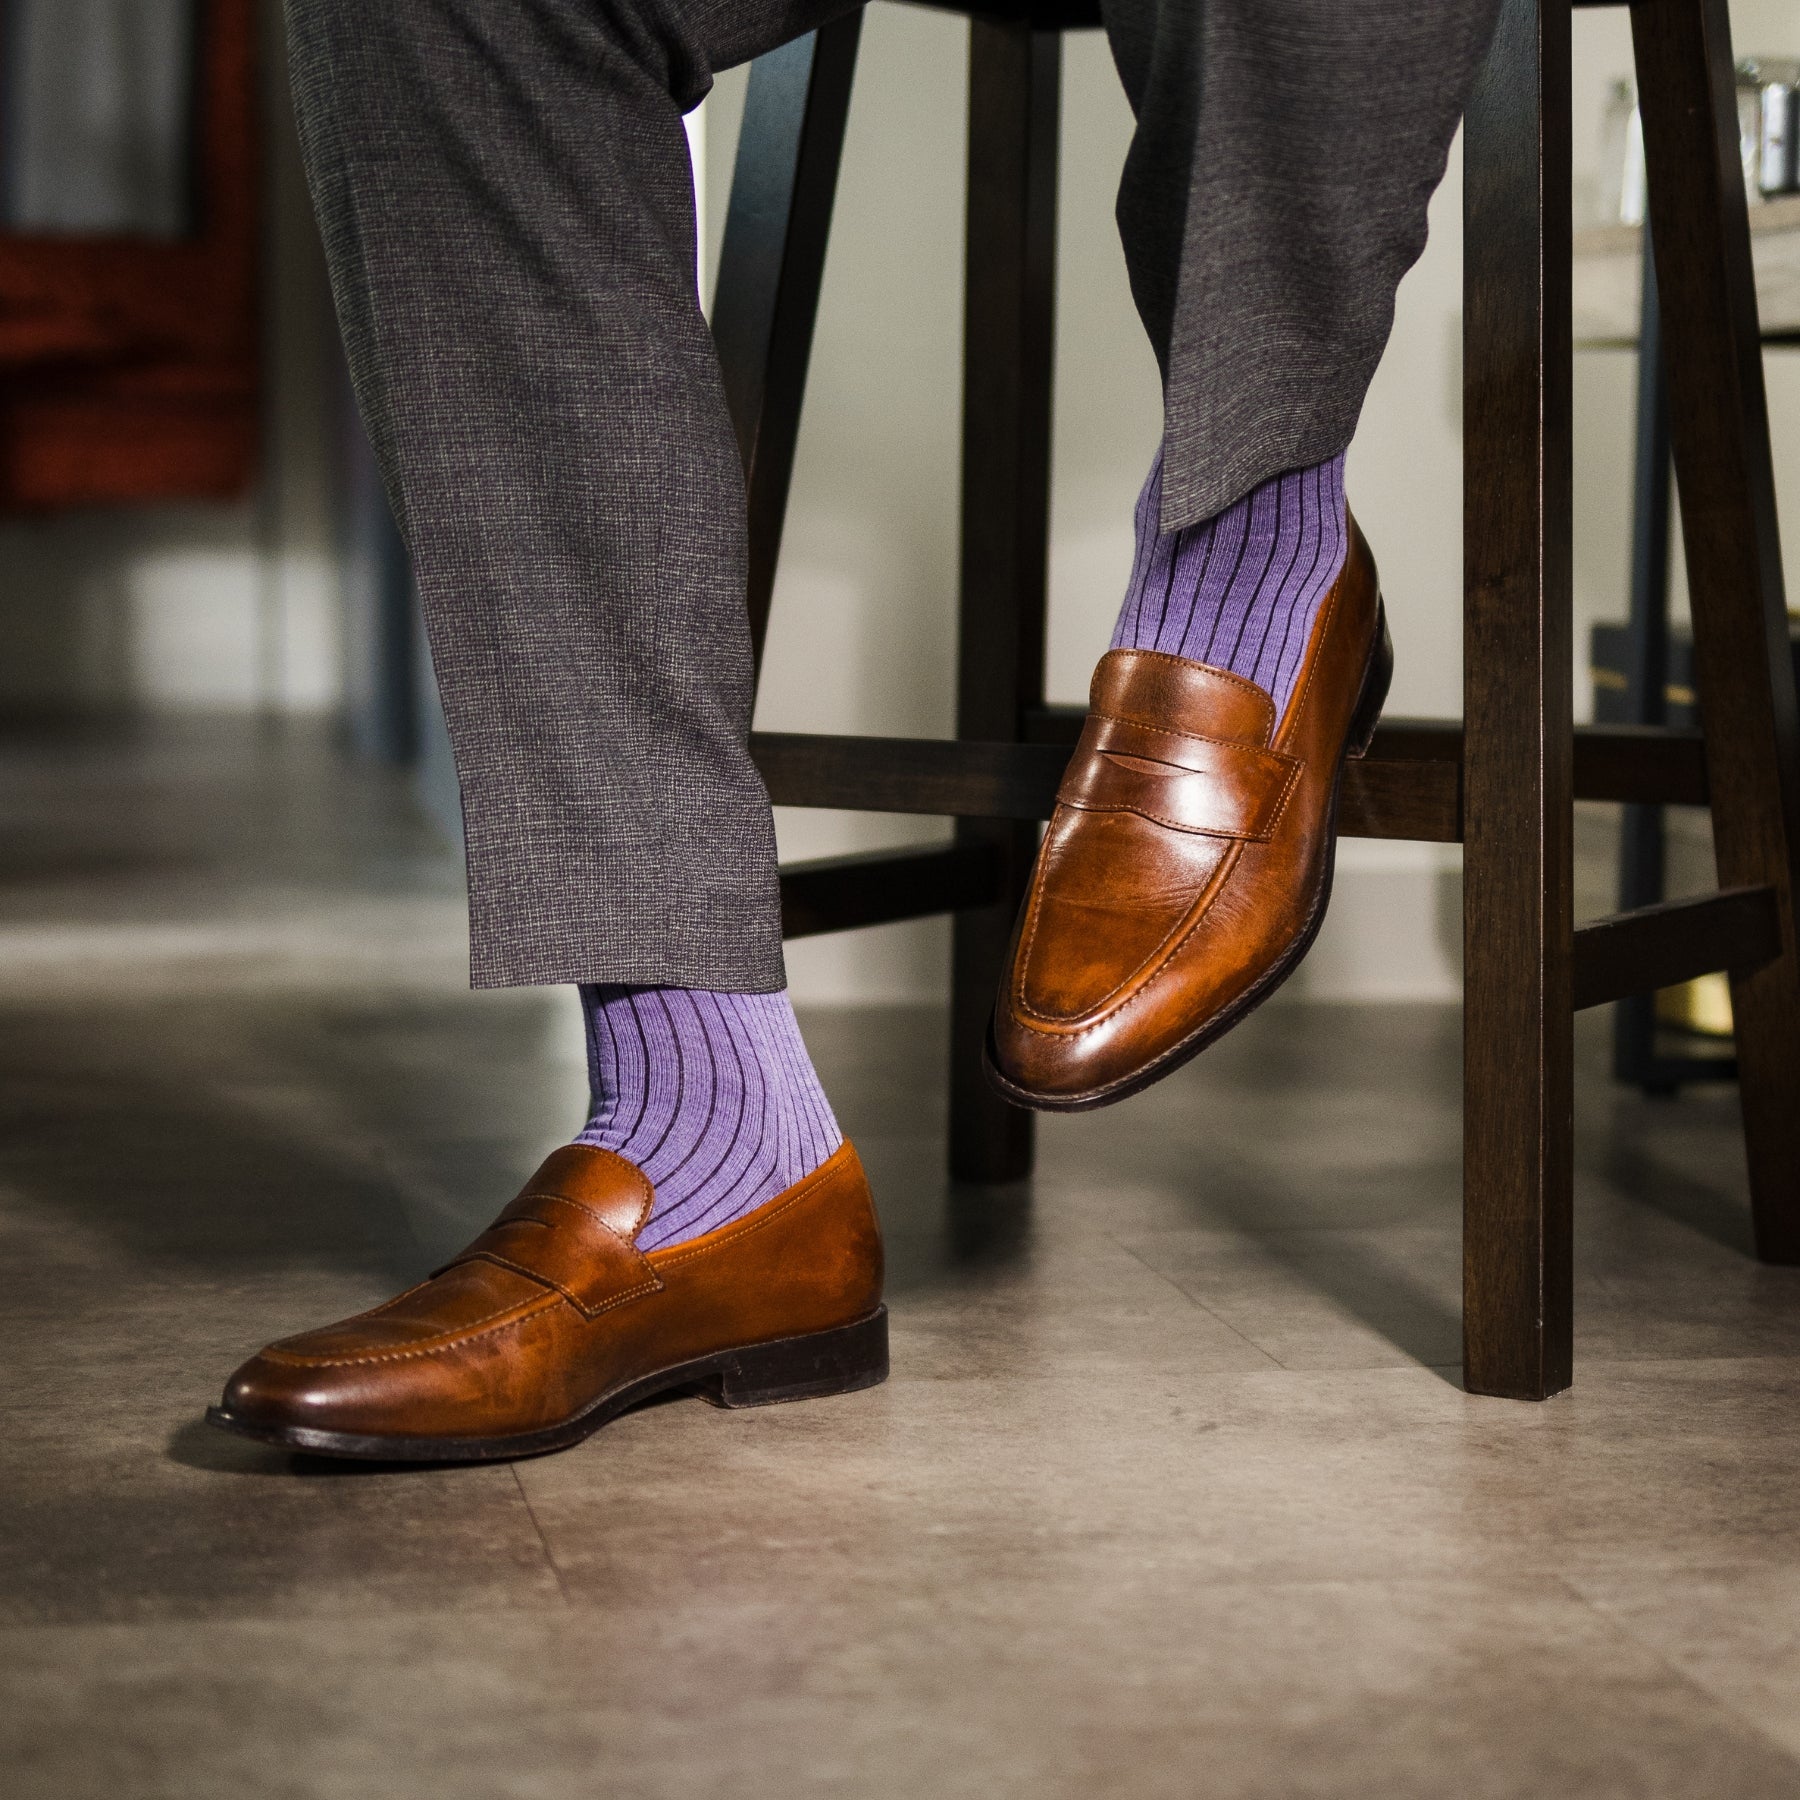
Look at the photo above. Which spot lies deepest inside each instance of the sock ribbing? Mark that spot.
(1239, 591)
(712, 1095)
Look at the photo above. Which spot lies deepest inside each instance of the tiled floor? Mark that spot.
(1173, 1492)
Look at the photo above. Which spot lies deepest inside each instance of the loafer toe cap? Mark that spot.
(281, 1393)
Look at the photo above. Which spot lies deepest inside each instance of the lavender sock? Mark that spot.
(1239, 591)
(712, 1095)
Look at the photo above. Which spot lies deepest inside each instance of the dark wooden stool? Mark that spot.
(1503, 781)
(1638, 1056)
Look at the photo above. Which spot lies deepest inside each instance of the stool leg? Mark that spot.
(1742, 660)
(1518, 921)
(771, 266)
(1642, 850)
(1008, 364)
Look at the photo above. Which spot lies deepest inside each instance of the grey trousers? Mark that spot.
(504, 193)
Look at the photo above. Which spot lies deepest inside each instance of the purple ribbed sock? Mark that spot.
(712, 1095)
(1239, 591)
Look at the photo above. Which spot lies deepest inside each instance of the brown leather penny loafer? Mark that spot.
(1186, 868)
(553, 1322)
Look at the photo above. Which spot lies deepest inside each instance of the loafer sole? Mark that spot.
(821, 1363)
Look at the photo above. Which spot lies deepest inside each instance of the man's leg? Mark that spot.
(505, 197)
(507, 208)
(1274, 195)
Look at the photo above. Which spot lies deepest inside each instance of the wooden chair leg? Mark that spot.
(1743, 667)
(1008, 351)
(1642, 837)
(1517, 651)
(771, 266)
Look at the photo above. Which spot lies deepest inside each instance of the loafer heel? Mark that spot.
(804, 1368)
(1374, 694)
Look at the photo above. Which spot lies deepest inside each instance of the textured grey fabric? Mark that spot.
(504, 194)
(1274, 194)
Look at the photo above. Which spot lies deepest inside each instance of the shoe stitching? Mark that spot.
(1233, 1011)
(638, 1178)
(581, 1206)
(1029, 934)
(1146, 981)
(1281, 805)
(643, 1181)
(1203, 904)
(472, 1254)
(1193, 737)
(652, 1286)
(756, 1220)
(431, 1347)
(1295, 770)
(1188, 662)
(481, 1327)
(649, 1286)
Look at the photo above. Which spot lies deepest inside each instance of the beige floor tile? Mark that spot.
(1077, 1674)
(1376, 1298)
(1734, 1632)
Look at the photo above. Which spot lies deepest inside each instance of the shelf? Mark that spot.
(1606, 277)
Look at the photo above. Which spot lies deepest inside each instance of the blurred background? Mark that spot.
(195, 557)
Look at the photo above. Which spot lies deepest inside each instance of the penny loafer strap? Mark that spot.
(568, 1247)
(1213, 786)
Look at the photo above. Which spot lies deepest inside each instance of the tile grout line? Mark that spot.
(562, 1587)
(1199, 1305)
(1621, 1630)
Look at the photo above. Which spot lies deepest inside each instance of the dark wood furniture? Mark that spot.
(1638, 1057)
(1503, 780)
(129, 366)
